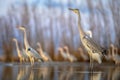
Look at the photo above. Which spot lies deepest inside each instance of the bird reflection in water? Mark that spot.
(96, 76)
(62, 72)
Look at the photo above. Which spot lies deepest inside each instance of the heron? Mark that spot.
(109, 56)
(115, 56)
(60, 51)
(32, 53)
(25, 54)
(94, 50)
(89, 33)
(70, 57)
(22, 56)
(43, 54)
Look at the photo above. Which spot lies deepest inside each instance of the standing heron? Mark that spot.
(94, 50)
(30, 51)
(22, 56)
(43, 54)
(109, 55)
(115, 56)
(60, 51)
(25, 54)
(70, 57)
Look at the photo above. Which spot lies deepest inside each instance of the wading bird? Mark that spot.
(30, 51)
(22, 56)
(70, 57)
(94, 50)
(43, 54)
(115, 56)
(109, 55)
(64, 56)
(25, 54)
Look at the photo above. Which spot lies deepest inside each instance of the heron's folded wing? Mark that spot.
(92, 45)
(35, 54)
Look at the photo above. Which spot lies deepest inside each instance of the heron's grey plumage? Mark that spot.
(24, 53)
(34, 53)
(94, 50)
(92, 45)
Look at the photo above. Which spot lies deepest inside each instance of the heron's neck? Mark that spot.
(40, 51)
(25, 40)
(79, 26)
(67, 52)
(113, 51)
(17, 47)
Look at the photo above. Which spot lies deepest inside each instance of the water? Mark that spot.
(58, 71)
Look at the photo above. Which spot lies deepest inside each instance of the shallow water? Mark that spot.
(58, 71)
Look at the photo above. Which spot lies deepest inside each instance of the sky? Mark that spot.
(4, 4)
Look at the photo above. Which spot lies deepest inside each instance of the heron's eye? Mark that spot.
(29, 49)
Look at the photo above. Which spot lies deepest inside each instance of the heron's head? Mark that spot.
(65, 49)
(15, 40)
(38, 44)
(112, 46)
(21, 28)
(59, 50)
(75, 10)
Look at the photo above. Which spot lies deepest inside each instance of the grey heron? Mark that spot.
(70, 57)
(115, 56)
(94, 50)
(60, 51)
(22, 56)
(43, 54)
(32, 53)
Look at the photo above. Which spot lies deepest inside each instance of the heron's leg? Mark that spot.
(26, 59)
(32, 59)
(91, 66)
(20, 60)
(29, 59)
(23, 60)
(90, 60)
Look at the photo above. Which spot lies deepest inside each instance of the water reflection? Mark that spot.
(58, 71)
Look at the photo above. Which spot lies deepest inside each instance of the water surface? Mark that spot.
(58, 71)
